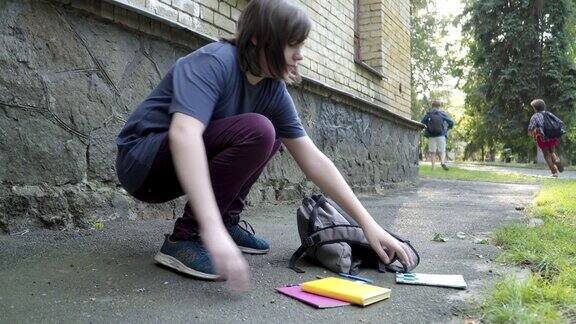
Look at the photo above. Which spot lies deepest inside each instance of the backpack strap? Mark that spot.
(312, 203)
(295, 257)
(327, 235)
(337, 233)
(318, 200)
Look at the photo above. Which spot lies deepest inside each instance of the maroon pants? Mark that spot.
(238, 149)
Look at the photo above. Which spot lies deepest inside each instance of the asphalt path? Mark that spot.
(109, 275)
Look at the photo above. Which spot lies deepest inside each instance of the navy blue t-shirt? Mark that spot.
(207, 84)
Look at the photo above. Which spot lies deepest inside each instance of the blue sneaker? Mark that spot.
(188, 256)
(246, 241)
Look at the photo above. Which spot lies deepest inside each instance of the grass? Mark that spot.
(516, 165)
(456, 173)
(548, 295)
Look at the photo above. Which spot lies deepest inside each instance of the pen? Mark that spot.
(349, 276)
(406, 276)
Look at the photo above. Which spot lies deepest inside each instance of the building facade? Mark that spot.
(73, 70)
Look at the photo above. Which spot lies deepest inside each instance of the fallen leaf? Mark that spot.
(481, 241)
(439, 237)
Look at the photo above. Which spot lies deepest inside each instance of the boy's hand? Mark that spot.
(226, 257)
(386, 246)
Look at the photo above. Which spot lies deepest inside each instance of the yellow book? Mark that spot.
(346, 290)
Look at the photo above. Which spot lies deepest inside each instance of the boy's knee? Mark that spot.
(261, 127)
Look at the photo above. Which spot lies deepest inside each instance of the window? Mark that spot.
(369, 35)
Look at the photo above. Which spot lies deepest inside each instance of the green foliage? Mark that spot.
(428, 67)
(518, 51)
(571, 23)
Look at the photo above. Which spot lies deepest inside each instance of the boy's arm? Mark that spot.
(191, 163)
(424, 119)
(322, 171)
(532, 126)
(448, 120)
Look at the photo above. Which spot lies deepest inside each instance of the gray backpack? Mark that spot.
(331, 237)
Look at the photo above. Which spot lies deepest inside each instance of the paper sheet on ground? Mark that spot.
(439, 280)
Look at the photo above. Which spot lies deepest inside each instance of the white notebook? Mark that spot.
(439, 280)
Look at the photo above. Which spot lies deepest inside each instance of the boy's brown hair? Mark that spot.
(268, 26)
(436, 103)
(538, 104)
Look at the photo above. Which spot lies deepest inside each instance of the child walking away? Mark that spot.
(208, 130)
(546, 130)
(437, 133)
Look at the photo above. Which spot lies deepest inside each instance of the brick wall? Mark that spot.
(71, 74)
(370, 32)
(329, 52)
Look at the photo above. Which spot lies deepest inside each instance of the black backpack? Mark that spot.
(553, 126)
(435, 123)
(331, 237)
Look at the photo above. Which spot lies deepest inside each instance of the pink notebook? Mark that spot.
(311, 299)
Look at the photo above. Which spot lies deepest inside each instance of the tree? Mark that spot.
(518, 50)
(427, 66)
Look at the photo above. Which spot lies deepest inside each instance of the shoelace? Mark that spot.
(246, 226)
